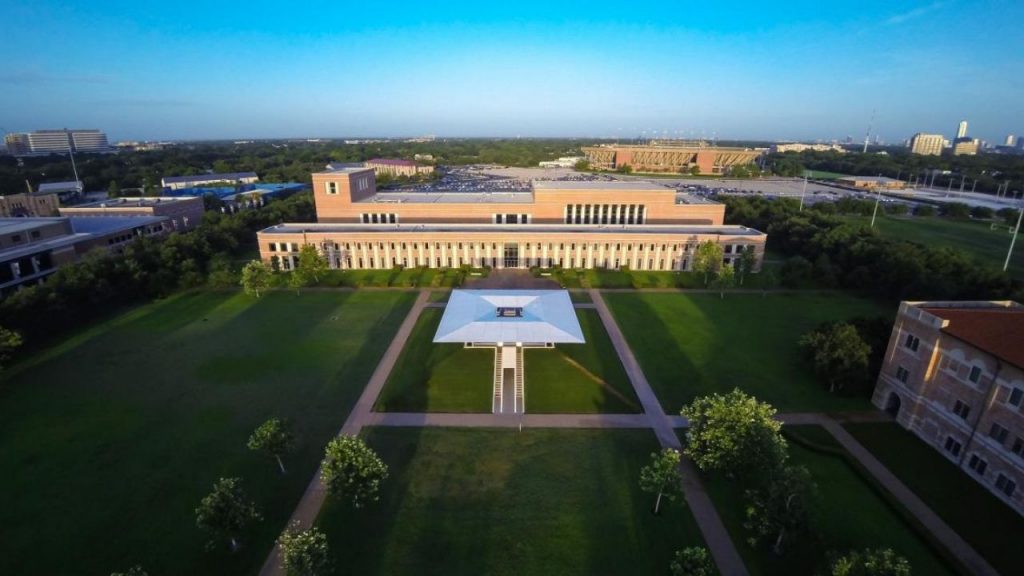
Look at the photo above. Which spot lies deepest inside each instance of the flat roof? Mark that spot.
(16, 225)
(111, 224)
(412, 197)
(342, 168)
(391, 162)
(724, 230)
(60, 186)
(209, 177)
(509, 317)
(996, 330)
(642, 185)
(134, 202)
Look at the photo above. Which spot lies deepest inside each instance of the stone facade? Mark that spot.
(952, 377)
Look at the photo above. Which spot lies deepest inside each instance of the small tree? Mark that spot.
(304, 552)
(225, 512)
(725, 279)
(695, 170)
(275, 438)
(133, 571)
(692, 561)
(582, 165)
(734, 434)
(298, 279)
(707, 259)
(352, 469)
(9, 342)
(745, 264)
(839, 355)
(871, 562)
(662, 476)
(769, 280)
(780, 508)
(255, 278)
(311, 263)
(114, 190)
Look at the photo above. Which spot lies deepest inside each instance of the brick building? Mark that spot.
(954, 375)
(572, 224)
(397, 167)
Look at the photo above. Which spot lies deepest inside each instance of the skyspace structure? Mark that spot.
(509, 321)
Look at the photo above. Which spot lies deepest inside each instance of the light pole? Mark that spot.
(802, 194)
(1013, 239)
(878, 198)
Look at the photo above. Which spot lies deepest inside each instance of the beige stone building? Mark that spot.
(927, 144)
(22, 205)
(570, 224)
(966, 147)
(678, 159)
(397, 167)
(954, 375)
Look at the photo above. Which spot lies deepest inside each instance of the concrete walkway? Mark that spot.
(715, 535)
(313, 499)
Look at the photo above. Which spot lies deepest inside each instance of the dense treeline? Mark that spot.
(990, 170)
(149, 267)
(825, 251)
(273, 161)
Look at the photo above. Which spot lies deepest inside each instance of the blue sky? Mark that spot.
(797, 70)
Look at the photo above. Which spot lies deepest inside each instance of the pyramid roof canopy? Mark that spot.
(510, 317)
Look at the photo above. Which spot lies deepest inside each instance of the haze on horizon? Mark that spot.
(794, 70)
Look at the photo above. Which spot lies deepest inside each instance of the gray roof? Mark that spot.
(681, 229)
(16, 225)
(598, 185)
(450, 198)
(542, 316)
(60, 186)
(112, 224)
(208, 177)
(134, 202)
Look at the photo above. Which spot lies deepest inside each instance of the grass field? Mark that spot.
(639, 279)
(989, 525)
(977, 238)
(691, 345)
(536, 502)
(571, 378)
(850, 515)
(110, 441)
(432, 377)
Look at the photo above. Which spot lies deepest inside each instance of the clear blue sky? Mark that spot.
(772, 70)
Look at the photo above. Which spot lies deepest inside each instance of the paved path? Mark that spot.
(313, 499)
(963, 551)
(715, 535)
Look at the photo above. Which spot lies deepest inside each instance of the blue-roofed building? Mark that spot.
(177, 182)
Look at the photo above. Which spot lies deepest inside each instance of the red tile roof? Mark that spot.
(998, 331)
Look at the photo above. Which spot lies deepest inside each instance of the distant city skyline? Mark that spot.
(797, 71)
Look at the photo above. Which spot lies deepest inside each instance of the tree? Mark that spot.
(311, 263)
(304, 552)
(692, 561)
(624, 169)
(734, 434)
(707, 259)
(745, 263)
(133, 571)
(662, 476)
(582, 165)
(769, 280)
(9, 342)
(956, 210)
(225, 512)
(871, 562)
(113, 191)
(839, 355)
(695, 170)
(924, 210)
(275, 438)
(725, 279)
(352, 469)
(781, 507)
(255, 277)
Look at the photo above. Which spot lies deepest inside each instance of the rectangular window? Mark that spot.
(366, 218)
(912, 342)
(902, 374)
(332, 187)
(1005, 485)
(998, 433)
(952, 446)
(975, 374)
(1018, 446)
(977, 464)
(498, 218)
(961, 409)
(1015, 396)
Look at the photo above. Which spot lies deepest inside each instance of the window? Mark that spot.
(1018, 446)
(961, 409)
(912, 342)
(498, 218)
(1015, 396)
(975, 374)
(332, 187)
(952, 446)
(1005, 485)
(998, 433)
(35, 234)
(977, 464)
(16, 238)
(273, 246)
(902, 374)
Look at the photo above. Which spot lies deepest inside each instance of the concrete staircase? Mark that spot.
(496, 407)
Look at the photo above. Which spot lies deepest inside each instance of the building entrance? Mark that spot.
(511, 255)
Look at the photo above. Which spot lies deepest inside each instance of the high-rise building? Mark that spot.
(961, 131)
(56, 142)
(966, 147)
(1010, 140)
(927, 144)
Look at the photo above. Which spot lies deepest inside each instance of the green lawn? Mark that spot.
(976, 237)
(497, 502)
(432, 377)
(574, 378)
(824, 175)
(989, 525)
(691, 345)
(850, 515)
(110, 440)
(571, 378)
(624, 278)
